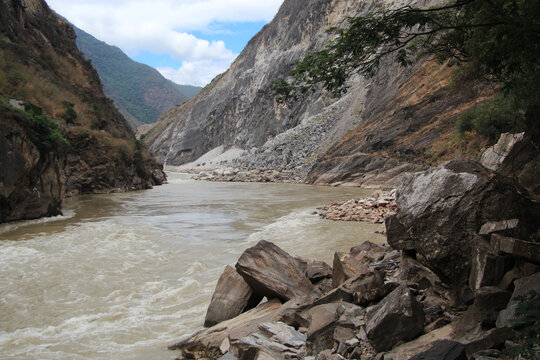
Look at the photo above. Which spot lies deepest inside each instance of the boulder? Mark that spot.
(398, 317)
(273, 273)
(232, 297)
(412, 271)
(443, 350)
(273, 340)
(314, 270)
(362, 290)
(330, 324)
(345, 267)
(494, 156)
(442, 208)
(522, 287)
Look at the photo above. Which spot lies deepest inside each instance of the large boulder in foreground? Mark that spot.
(398, 317)
(441, 210)
(272, 272)
(231, 297)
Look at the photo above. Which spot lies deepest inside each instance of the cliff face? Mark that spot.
(381, 127)
(59, 133)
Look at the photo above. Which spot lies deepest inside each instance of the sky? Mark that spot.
(187, 41)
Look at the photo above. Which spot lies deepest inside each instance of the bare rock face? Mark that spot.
(272, 272)
(231, 297)
(522, 287)
(398, 317)
(441, 209)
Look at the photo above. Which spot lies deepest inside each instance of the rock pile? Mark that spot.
(374, 209)
(389, 302)
(237, 175)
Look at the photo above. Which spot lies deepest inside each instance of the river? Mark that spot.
(121, 276)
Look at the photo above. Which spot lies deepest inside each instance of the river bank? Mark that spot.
(463, 249)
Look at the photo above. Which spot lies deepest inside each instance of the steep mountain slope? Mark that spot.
(59, 133)
(140, 92)
(380, 124)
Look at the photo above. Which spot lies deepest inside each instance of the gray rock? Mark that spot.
(274, 340)
(398, 317)
(443, 350)
(494, 156)
(440, 209)
(231, 297)
(271, 272)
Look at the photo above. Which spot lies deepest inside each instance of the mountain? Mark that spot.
(139, 91)
(59, 134)
(390, 123)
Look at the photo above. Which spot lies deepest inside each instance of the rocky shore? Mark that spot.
(463, 247)
(237, 175)
(374, 209)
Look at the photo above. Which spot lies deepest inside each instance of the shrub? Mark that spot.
(527, 324)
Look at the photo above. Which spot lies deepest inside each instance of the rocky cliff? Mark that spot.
(59, 133)
(382, 126)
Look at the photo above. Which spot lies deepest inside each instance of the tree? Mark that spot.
(497, 40)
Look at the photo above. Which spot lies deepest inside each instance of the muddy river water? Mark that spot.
(121, 276)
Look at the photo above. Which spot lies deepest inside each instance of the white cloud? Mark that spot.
(199, 72)
(162, 26)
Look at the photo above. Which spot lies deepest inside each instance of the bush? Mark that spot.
(69, 115)
(497, 115)
(527, 324)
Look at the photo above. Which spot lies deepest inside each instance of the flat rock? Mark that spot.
(498, 226)
(516, 247)
(273, 273)
(231, 297)
(398, 317)
(273, 340)
(443, 350)
(233, 329)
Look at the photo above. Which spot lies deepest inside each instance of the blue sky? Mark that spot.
(235, 36)
(188, 41)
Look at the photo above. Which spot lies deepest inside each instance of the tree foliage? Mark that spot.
(500, 39)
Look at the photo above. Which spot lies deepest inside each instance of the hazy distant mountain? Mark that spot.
(139, 91)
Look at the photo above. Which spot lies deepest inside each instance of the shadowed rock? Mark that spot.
(398, 317)
(272, 272)
(231, 297)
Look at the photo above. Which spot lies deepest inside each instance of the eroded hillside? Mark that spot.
(60, 134)
(400, 119)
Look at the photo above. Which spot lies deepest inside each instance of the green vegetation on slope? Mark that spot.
(138, 90)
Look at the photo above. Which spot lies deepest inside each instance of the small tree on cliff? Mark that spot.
(496, 40)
